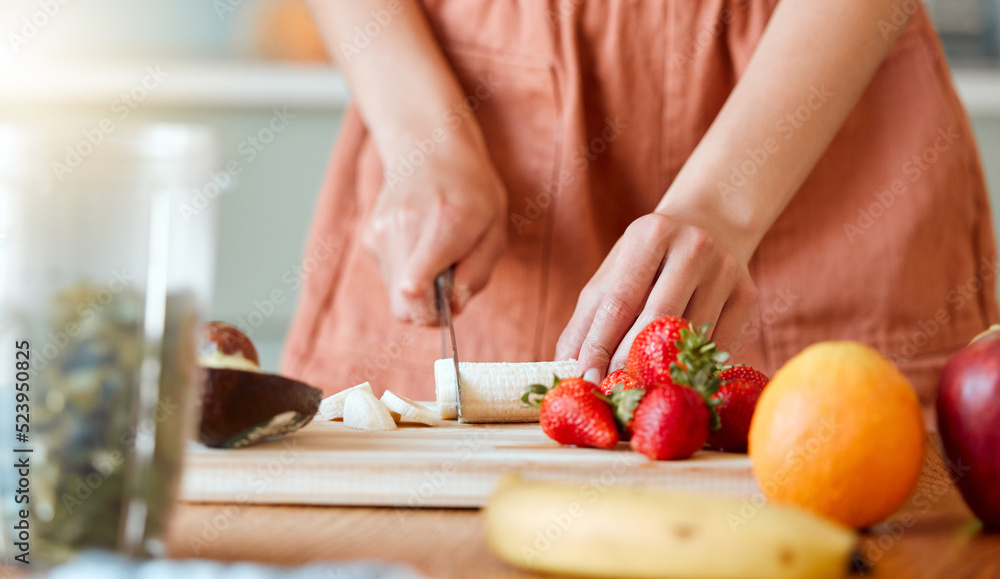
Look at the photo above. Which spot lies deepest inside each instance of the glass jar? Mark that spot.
(106, 262)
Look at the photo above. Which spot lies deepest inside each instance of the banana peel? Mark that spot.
(627, 532)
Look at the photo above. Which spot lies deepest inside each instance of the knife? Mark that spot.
(445, 287)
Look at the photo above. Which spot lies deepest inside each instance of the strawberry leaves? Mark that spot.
(698, 362)
(533, 394)
(624, 403)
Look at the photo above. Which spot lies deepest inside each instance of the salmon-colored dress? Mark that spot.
(590, 109)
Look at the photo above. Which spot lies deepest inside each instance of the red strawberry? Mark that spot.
(671, 423)
(654, 349)
(574, 413)
(743, 372)
(672, 420)
(737, 401)
(619, 377)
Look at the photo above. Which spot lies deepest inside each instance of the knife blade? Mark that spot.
(444, 287)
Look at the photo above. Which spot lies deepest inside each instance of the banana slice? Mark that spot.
(363, 411)
(410, 410)
(332, 407)
(491, 392)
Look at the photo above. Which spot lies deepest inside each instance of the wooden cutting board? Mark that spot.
(457, 465)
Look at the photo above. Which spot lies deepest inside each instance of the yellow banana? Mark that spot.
(590, 531)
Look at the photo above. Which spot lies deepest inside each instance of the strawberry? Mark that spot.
(743, 372)
(619, 377)
(737, 401)
(573, 412)
(671, 423)
(672, 420)
(654, 349)
(661, 343)
(625, 399)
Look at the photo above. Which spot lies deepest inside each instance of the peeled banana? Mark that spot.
(410, 410)
(332, 407)
(626, 532)
(491, 392)
(364, 412)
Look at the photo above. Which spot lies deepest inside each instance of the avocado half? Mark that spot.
(239, 408)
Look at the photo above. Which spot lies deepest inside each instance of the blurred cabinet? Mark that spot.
(968, 28)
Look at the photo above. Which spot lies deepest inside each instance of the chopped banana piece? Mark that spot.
(410, 410)
(491, 392)
(332, 407)
(363, 411)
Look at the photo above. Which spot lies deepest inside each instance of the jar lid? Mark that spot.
(178, 153)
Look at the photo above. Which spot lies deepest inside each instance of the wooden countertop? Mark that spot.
(933, 535)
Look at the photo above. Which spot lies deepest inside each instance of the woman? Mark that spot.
(788, 171)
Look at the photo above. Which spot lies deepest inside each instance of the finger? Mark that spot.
(575, 332)
(628, 285)
(738, 311)
(388, 239)
(390, 257)
(711, 294)
(405, 308)
(473, 271)
(440, 245)
(669, 297)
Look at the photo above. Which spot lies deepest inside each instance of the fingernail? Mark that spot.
(409, 288)
(593, 375)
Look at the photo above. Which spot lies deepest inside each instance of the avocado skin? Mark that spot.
(233, 401)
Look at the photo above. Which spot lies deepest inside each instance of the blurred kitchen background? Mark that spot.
(256, 71)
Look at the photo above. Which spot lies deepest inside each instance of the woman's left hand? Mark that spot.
(660, 267)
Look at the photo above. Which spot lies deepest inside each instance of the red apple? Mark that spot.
(988, 331)
(968, 414)
(221, 345)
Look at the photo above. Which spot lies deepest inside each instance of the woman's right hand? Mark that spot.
(449, 211)
(452, 208)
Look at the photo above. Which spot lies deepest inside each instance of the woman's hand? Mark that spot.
(449, 211)
(660, 267)
(690, 258)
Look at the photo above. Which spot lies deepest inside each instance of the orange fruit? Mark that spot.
(838, 431)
